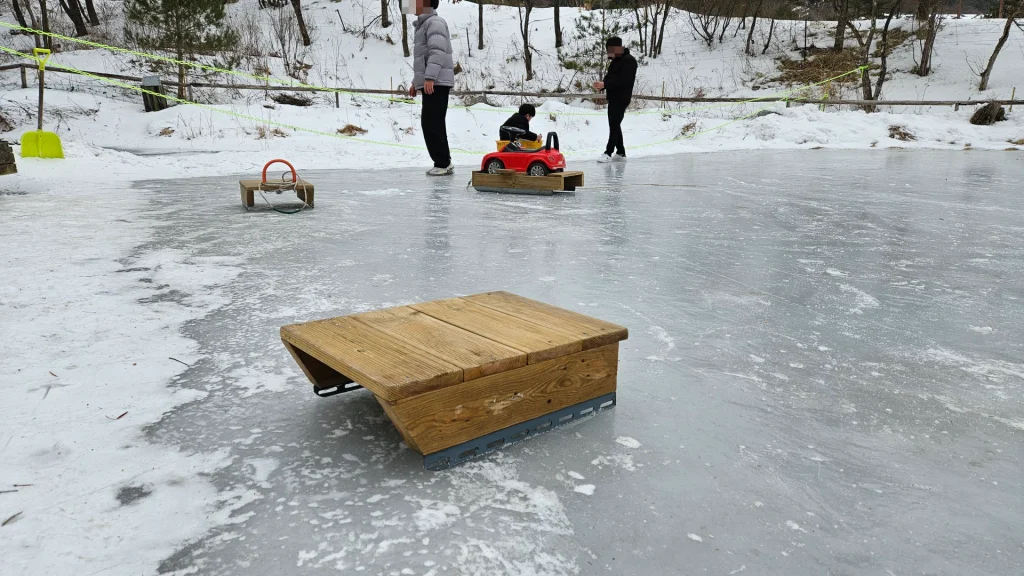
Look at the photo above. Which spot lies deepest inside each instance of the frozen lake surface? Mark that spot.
(824, 375)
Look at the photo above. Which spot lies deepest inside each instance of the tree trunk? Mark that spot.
(385, 20)
(883, 68)
(74, 11)
(652, 49)
(842, 10)
(725, 27)
(46, 24)
(94, 18)
(181, 77)
(995, 54)
(18, 15)
(480, 25)
(925, 67)
(641, 27)
(753, 24)
(661, 33)
(297, 5)
(33, 22)
(865, 78)
(524, 27)
(558, 23)
(771, 30)
(405, 35)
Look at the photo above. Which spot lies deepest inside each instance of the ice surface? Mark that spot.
(898, 427)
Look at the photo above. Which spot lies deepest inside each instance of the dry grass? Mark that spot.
(167, 131)
(1017, 142)
(821, 67)
(265, 133)
(351, 130)
(894, 39)
(900, 133)
(688, 130)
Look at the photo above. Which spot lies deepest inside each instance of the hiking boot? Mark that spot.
(604, 159)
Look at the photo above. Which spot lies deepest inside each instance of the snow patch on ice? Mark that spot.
(695, 537)
(628, 442)
(576, 475)
(982, 329)
(862, 300)
(587, 489)
(624, 461)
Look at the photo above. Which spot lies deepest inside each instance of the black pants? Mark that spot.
(432, 120)
(616, 112)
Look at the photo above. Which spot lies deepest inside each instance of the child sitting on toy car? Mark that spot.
(519, 120)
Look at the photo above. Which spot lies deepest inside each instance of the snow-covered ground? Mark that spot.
(98, 120)
(91, 311)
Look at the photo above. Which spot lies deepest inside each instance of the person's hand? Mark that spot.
(412, 91)
(428, 86)
(598, 85)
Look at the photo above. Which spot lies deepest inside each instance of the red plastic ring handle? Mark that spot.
(295, 176)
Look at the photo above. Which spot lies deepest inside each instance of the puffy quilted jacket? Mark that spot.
(432, 56)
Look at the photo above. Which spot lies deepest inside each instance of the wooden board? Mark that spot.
(389, 368)
(321, 375)
(304, 190)
(538, 342)
(254, 184)
(568, 181)
(475, 355)
(593, 332)
(443, 418)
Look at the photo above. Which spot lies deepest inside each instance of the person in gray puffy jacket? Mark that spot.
(434, 78)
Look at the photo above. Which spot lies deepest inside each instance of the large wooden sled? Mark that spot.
(465, 376)
(512, 182)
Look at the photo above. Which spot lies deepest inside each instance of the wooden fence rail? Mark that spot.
(793, 98)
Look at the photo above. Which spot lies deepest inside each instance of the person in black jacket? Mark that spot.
(519, 120)
(618, 86)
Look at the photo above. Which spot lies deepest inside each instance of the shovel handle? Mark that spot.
(42, 56)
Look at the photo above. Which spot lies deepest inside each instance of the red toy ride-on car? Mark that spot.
(515, 156)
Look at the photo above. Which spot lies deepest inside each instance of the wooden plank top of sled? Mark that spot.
(512, 179)
(402, 352)
(251, 185)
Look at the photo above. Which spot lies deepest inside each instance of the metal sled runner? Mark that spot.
(464, 376)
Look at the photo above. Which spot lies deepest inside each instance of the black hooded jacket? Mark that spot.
(517, 120)
(620, 78)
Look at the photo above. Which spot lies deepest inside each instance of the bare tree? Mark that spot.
(842, 8)
(385, 21)
(480, 24)
(45, 16)
(1013, 10)
(74, 12)
(297, 6)
(648, 15)
(525, 9)
(405, 35)
(868, 91)
(661, 31)
(706, 20)
(94, 18)
(928, 10)
(558, 23)
(18, 14)
(753, 23)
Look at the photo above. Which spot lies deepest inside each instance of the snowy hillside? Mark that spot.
(98, 119)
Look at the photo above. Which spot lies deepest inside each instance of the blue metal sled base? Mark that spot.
(489, 442)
